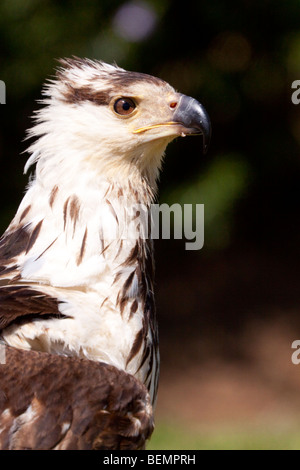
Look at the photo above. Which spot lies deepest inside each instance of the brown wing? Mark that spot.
(57, 402)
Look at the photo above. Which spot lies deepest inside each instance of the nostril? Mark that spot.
(173, 104)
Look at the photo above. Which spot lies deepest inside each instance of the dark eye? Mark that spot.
(124, 106)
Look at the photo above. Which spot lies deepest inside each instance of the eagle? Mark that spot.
(77, 311)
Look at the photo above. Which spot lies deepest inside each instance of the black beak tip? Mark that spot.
(194, 116)
(203, 123)
(206, 141)
(205, 129)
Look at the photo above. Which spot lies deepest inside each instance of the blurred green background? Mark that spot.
(229, 312)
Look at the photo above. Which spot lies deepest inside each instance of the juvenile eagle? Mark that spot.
(77, 313)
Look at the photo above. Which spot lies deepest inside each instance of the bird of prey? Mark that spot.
(77, 312)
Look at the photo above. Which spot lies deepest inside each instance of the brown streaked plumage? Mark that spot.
(117, 78)
(82, 248)
(133, 308)
(13, 243)
(138, 342)
(18, 303)
(73, 95)
(71, 210)
(53, 195)
(112, 210)
(24, 213)
(53, 402)
(33, 236)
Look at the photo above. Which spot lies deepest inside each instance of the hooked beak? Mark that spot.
(189, 117)
(194, 119)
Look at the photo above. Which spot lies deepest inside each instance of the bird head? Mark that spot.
(116, 122)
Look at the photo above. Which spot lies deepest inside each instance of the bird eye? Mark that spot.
(124, 106)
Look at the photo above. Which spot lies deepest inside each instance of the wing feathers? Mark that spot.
(106, 408)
